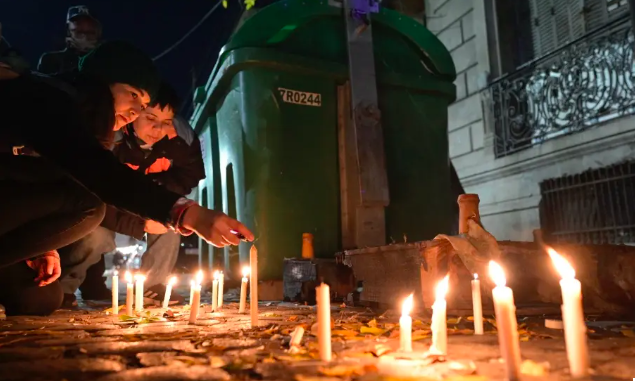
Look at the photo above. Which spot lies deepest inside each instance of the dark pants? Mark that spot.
(41, 209)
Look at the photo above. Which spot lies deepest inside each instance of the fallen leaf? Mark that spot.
(344, 333)
(372, 323)
(293, 358)
(372, 330)
(454, 320)
(301, 377)
(628, 333)
(216, 362)
(346, 370)
(380, 350)
(535, 369)
(292, 318)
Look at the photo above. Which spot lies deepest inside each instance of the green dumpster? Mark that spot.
(269, 128)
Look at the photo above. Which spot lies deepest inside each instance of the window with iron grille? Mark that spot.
(576, 70)
(594, 207)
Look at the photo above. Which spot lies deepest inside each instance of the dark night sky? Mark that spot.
(37, 26)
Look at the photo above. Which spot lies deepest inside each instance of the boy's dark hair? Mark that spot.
(166, 96)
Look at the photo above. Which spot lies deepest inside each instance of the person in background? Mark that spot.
(164, 147)
(83, 33)
(56, 195)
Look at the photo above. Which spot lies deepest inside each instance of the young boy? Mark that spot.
(165, 148)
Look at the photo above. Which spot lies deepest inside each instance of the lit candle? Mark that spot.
(139, 292)
(197, 285)
(221, 285)
(253, 285)
(323, 296)
(129, 293)
(215, 291)
(439, 324)
(243, 290)
(192, 285)
(477, 306)
(506, 321)
(168, 292)
(115, 292)
(572, 317)
(405, 326)
(195, 303)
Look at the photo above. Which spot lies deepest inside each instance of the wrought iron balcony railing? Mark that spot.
(588, 81)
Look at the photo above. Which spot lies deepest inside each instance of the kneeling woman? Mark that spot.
(55, 196)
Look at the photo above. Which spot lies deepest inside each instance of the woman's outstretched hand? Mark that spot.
(215, 227)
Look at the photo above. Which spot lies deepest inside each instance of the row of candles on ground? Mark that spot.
(505, 310)
(218, 284)
(134, 292)
(135, 298)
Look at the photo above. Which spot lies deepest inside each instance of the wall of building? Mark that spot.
(509, 186)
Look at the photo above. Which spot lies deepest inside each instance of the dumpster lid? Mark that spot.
(275, 23)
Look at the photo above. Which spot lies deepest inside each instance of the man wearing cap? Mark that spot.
(83, 34)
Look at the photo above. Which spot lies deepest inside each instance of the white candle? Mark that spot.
(195, 304)
(129, 293)
(215, 291)
(477, 306)
(439, 324)
(192, 285)
(506, 321)
(405, 326)
(572, 317)
(296, 337)
(168, 292)
(253, 285)
(115, 292)
(243, 290)
(221, 285)
(199, 281)
(139, 279)
(323, 295)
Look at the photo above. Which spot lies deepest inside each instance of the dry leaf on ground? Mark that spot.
(535, 369)
(372, 330)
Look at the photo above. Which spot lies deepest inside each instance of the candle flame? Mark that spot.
(246, 271)
(192, 283)
(442, 288)
(562, 265)
(172, 280)
(497, 274)
(128, 277)
(199, 277)
(406, 307)
(140, 277)
(115, 273)
(475, 276)
(216, 275)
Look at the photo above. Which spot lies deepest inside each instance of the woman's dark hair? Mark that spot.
(166, 96)
(97, 108)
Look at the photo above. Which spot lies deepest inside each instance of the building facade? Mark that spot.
(542, 128)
